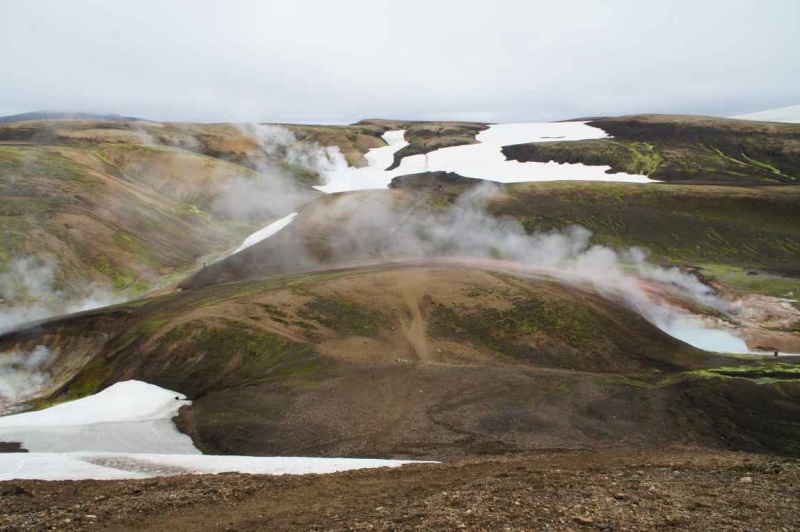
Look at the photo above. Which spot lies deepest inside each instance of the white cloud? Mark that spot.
(319, 61)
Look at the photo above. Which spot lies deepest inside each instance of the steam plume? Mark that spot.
(21, 375)
(28, 292)
(465, 230)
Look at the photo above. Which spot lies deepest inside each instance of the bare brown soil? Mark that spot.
(611, 490)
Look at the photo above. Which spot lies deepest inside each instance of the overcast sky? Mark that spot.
(339, 61)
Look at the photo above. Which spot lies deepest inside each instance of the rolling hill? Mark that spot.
(743, 228)
(419, 361)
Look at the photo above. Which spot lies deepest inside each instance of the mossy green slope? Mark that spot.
(742, 227)
(94, 226)
(728, 231)
(686, 149)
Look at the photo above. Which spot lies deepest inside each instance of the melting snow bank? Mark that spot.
(128, 417)
(126, 431)
(268, 231)
(110, 466)
(483, 160)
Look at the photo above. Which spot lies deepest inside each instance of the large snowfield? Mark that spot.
(483, 160)
(126, 431)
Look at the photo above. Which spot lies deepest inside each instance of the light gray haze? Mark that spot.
(339, 61)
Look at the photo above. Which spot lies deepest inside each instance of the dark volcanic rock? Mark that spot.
(433, 179)
(11, 447)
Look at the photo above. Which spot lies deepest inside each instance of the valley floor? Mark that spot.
(611, 490)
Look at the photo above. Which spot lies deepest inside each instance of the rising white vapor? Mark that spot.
(29, 292)
(21, 375)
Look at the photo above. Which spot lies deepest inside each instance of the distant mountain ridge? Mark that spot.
(63, 115)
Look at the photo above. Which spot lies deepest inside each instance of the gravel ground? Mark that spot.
(609, 490)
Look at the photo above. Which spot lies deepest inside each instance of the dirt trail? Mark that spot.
(413, 321)
(610, 490)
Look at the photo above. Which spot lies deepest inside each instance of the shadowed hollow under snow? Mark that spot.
(126, 431)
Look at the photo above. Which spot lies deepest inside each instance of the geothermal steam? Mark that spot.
(28, 292)
(366, 228)
(274, 190)
(28, 285)
(21, 376)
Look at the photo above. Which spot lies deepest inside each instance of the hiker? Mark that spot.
(776, 353)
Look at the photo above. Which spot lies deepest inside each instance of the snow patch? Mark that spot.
(485, 160)
(109, 466)
(130, 416)
(266, 232)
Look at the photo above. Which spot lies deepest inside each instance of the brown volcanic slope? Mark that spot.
(685, 149)
(425, 361)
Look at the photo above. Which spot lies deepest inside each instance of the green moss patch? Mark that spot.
(233, 351)
(767, 373)
(503, 330)
(343, 316)
(120, 277)
(31, 163)
(136, 247)
(629, 157)
(89, 380)
(275, 313)
(746, 281)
